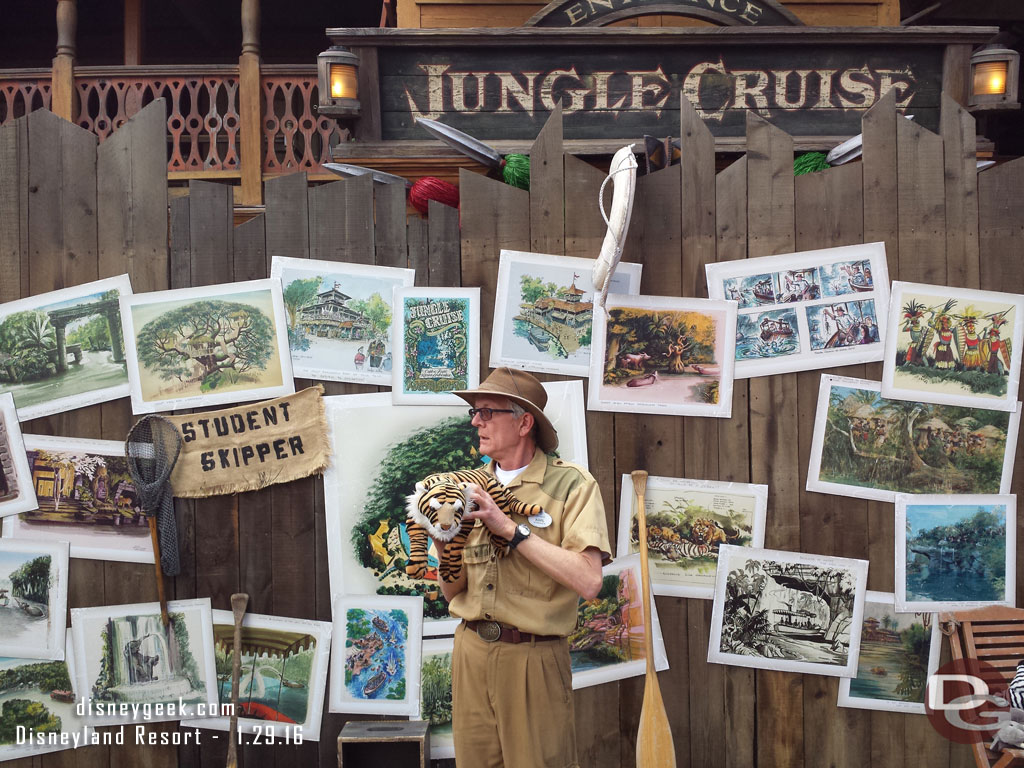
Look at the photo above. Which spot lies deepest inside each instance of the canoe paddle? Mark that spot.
(239, 601)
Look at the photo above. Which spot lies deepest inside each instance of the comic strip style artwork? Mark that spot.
(16, 491)
(955, 552)
(788, 611)
(899, 652)
(869, 446)
(33, 598)
(65, 349)
(812, 309)
(436, 695)
(543, 311)
(659, 354)
(954, 346)
(687, 522)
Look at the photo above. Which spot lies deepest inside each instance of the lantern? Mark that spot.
(994, 72)
(338, 80)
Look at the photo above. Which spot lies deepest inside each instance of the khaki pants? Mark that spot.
(512, 704)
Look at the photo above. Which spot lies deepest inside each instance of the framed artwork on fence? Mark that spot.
(806, 310)
(210, 345)
(125, 656)
(65, 349)
(543, 311)
(788, 611)
(375, 658)
(687, 522)
(284, 675)
(955, 552)
(16, 488)
(899, 652)
(870, 447)
(86, 497)
(340, 318)
(609, 640)
(439, 330)
(41, 697)
(33, 599)
(663, 355)
(954, 346)
(369, 478)
(436, 695)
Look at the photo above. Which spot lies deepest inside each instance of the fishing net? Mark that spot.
(152, 448)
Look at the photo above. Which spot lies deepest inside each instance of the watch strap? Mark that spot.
(517, 537)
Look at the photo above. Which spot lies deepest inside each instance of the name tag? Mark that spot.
(541, 520)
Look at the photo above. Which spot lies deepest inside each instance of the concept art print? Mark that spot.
(64, 350)
(687, 522)
(436, 695)
(954, 346)
(658, 354)
(375, 660)
(543, 311)
(16, 487)
(812, 309)
(33, 598)
(340, 317)
(869, 446)
(788, 611)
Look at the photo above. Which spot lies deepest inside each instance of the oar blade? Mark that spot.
(462, 142)
(654, 744)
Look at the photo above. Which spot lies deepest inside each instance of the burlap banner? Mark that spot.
(251, 446)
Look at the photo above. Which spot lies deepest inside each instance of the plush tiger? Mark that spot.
(436, 508)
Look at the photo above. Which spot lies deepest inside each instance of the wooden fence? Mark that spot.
(71, 212)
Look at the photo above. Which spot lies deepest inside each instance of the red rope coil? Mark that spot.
(432, 188)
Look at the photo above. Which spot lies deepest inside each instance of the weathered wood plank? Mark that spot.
(341, 221)
(547, 188)
(416, 239)
(444, 248)
(881, 215)
(14, 210)
(287, 216)
(961, 174)
(922, 204)
(389, 225)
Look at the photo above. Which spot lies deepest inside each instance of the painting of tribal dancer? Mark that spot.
(954, 346)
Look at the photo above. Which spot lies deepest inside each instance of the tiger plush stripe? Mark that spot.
(436, 510)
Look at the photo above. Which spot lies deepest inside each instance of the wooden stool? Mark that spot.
(394, 743)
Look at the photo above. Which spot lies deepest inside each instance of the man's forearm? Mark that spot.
(579, 571)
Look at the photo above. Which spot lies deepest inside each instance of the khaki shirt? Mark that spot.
(513, 590)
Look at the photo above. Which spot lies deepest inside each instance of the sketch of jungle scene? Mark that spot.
(751, 290)
(436, 694)
(945, 345)
(25, 582)
(141, 660)
(843, 324)
(340, 324)
(276, 667)
(610, 627)
(767, 334)
(668, 356)
(436, 345)
(790, 611)
(375, 653)
(555, 319)
(909, 447)
(845, 277)
(956, 553)
(9, 488)
(894, 654)
(63, 349)
(198, 346)
(794, 285)
(37, 696)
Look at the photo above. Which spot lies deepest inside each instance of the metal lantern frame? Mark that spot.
(337, 106)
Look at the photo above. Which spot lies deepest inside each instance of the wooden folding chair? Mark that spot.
(995, 636)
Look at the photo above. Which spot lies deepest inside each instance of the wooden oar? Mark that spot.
(654, 747)
(154, 537)
(239, 601)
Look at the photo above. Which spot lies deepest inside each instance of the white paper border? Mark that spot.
(26, 498)
(57, 604)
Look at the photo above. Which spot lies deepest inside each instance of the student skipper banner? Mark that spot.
(251, 446)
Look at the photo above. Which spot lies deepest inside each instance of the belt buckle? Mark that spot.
(489, 631)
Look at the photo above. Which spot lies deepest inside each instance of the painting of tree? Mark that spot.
(32, 580)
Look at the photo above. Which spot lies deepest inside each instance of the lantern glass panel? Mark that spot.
(990, 78)
(344, 83)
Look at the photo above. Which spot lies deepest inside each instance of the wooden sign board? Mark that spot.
(576, 13)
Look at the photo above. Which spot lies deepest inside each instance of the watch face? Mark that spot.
(524, 530)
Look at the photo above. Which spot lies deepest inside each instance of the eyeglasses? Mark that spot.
(486, 413)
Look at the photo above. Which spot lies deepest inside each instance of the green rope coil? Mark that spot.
(516, 171)
(809, 162)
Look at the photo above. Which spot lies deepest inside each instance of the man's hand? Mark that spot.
(490, 514)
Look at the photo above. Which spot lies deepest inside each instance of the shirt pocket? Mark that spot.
(478, 554)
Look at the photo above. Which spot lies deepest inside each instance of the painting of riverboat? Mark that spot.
(436, 695)
(787, 611)
(954, 346)
(955, 552)
(751, 290)
(85, 497)
(126, 654)
(33, 598)
(284, 674)
(543, 311)
(841, 278)
(842, 324)
(375, 661)
(869, 446)
(797, 285)
(64, 350)
(665, 355)
(687, 522)
(204, 346)
(339, 318)
(608, 642)
(16, 494)
(763, 335)
(39, 696)
(899, 652)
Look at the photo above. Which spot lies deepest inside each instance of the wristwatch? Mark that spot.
(522, 533)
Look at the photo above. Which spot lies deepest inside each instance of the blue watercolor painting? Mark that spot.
(843, 324)
(376, 645)
(750, 291)
(795, 285)
(761, 335)
(845, 277)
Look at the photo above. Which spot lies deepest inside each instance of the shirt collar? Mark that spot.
(534, 470)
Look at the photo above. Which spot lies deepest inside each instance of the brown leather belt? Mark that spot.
(492, 632)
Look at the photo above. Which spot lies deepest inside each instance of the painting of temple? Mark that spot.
(567, 317)
(328, 316)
